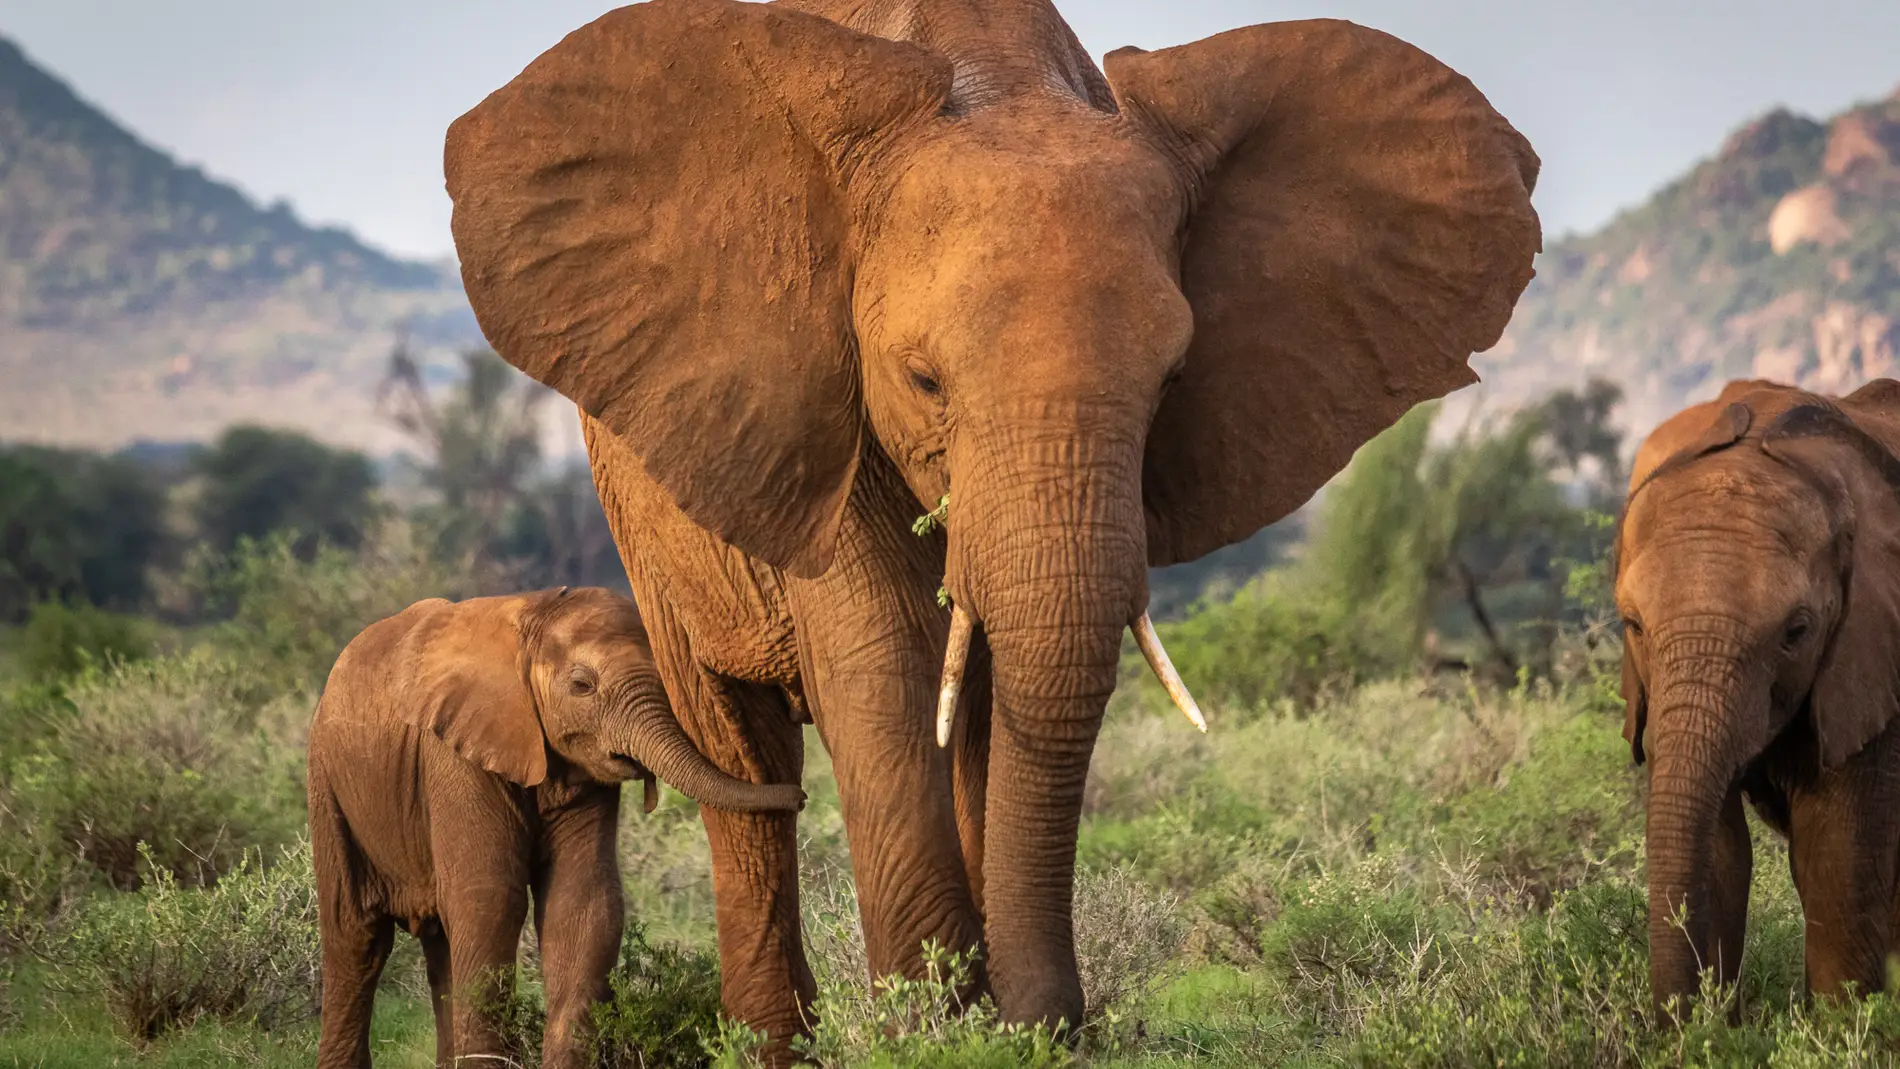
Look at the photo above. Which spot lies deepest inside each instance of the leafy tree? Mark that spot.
(496, 507)
(259, 480)
(1578, 428)
(1416, 530)
(60, 640)
(480, 445)
(76, 526)
(557, 535)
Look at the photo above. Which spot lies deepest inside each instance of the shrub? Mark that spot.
(662, 1013)
(245, 950)
(665, 999)
(834, 932)
(62, 640)
(1279, 639)
(1127, 936)
(1350, 930)
(923, 1024)
(177, 754)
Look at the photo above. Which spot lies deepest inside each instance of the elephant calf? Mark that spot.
(463, 754)
(1759, 584)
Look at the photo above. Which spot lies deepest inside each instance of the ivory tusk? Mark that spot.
(1157, 658)
(954, 656)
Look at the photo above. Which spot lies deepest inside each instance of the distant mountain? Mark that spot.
(139, 297)
(1777, 258)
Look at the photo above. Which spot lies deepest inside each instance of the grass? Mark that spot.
(1409, 872)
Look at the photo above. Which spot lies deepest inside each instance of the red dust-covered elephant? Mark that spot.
(809, 267)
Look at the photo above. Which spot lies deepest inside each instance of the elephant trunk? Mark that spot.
(1047, 550)
(647, 731)
(1704, 720)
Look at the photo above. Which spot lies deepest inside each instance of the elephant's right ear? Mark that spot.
(652, 219)
(1361, 224)
(458, 673)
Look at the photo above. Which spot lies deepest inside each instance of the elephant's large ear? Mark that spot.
(1363, 224)
(652, 220)
(1857, 687)
(458, 673)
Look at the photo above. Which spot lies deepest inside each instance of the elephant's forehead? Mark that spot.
(1737, 532)
(592, 620)
(1006, 184)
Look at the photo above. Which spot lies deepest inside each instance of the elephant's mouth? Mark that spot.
(626, 768)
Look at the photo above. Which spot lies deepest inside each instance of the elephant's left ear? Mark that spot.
(1363, 224)
(1857, 690)
(1857, 687)
(459, 675)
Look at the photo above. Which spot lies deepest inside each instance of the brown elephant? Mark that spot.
(1758, 577)
(808, 268)
(463, 754)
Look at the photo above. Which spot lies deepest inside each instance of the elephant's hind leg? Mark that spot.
(356, 940)
(353, 955)
(435, 955)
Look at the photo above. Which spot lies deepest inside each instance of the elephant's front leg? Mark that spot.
(1733, 864)
(1842, 841)
(871, 640)
(579, 916)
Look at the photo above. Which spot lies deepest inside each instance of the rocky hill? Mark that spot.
(1777, 258)
(140, 298)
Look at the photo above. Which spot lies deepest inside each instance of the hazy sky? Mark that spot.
(340, 106)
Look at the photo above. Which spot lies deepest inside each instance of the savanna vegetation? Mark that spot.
(1412, 837)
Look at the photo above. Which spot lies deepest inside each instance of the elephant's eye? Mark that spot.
(1798, 629)
(1632, 628)
(922, 377)
(581, 681)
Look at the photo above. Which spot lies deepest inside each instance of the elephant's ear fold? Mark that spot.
(1635, 704)
(1857, 689)
(458, 673)
(652, 219)
(1362, 224)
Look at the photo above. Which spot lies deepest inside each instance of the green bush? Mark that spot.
(177, 755)
(665, 1000)
(245, 950)
(662, 1013)
(61, 639)
(1277, 640)
(898, 1023)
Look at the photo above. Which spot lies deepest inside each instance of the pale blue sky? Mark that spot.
(340, 106)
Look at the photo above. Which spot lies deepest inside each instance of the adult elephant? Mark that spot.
(808, 268)
(1759, 583)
